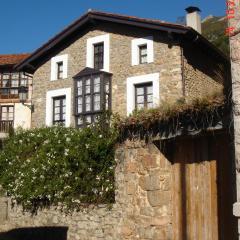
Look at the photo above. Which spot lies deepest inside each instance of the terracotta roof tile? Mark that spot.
(12, 59)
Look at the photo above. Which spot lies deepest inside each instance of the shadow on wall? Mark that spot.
(36, 233)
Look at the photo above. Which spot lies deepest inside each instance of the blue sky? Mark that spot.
(26, 24)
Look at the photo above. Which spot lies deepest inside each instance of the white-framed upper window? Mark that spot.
(98, 52)
(142, 91)
(142, 50)
(59, 67)
(58, 107)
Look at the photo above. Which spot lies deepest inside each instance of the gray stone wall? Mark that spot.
(167, 62)
(203, 75)
(143, 208)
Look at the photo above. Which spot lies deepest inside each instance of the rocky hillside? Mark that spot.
(213, 28)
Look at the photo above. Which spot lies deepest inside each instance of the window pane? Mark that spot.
(79, 87)
(80, 121)
(6, 75)
(140, 99)
(88, 119)
(107, 101)
(6, 83)
(149, 90)
(140, 91)
(57, 103)
(143, 59)
(88, 103)
(57, 117)
(23, 82)
(98, 55)
(14, 83)
(57, 110)
(150, 105)
(97, 102)
(107, 87)
(96, 84)
(15, 75)
(150, 98)
(87, 86)
(140, 106)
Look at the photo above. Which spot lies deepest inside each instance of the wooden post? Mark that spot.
(233, 14)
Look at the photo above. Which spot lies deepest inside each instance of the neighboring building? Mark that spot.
(13, 113)
(105, 61)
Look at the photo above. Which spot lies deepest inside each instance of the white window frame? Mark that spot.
(135, 49)
(54, 67)
(49, 105)
(148, 78)
(106, 55)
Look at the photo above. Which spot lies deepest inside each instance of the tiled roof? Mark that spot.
(12, 59)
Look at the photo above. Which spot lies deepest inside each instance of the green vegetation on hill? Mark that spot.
(214, 30)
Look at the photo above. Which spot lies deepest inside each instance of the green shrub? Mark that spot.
(54, 165)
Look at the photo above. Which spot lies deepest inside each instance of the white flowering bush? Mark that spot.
(48, 166)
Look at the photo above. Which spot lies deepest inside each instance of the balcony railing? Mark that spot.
(6, 126)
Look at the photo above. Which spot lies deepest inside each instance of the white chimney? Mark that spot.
(193, 18)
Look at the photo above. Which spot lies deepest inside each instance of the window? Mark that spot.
(143, 92)
(10, 83)
(59, 67)
(143, 96)
(60, 70)
(98, 55)
(59, 110)
(143, 54)
(142, 50)
(98, 52)
(7, 113)
(92, 97)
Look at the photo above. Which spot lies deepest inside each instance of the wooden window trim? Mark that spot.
(59, 71)
(140, 47)
(61, 120)
(7, 106)
(99, 55)
(103, 82)
(144, 86)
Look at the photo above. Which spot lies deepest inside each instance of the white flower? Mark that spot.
(100, 136)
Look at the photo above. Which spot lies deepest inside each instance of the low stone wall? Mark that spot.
(143, 208)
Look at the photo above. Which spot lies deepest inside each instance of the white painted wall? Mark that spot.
(22, 116)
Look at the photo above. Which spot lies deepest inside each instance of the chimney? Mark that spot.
(193, 18)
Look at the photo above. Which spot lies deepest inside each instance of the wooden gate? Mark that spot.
(203, 186)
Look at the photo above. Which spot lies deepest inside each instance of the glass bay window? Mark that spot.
(92, 95)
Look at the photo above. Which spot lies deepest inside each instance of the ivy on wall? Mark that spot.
(46, 166)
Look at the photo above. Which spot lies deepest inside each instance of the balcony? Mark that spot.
(5, 128)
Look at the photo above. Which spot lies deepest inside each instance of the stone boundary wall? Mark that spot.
(143, 208)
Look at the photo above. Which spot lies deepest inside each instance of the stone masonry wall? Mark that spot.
(143, 208)
(167, 62)
(203, 75)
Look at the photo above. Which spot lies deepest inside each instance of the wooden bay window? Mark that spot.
(92, 95)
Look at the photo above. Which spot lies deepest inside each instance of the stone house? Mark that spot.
(144, 62)
(109, 61)
(13, 113)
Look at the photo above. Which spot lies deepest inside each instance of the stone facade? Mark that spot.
(203, 74)
(183, 71)
(143, 207)
(167, 62)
